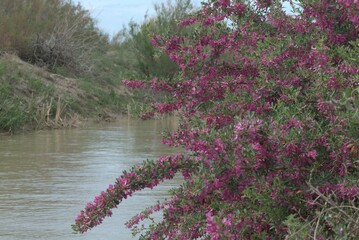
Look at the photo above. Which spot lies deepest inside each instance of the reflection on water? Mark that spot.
(48, 177)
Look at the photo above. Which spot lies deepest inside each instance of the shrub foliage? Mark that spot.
(268, 103)
(49, 33)
(138, 55)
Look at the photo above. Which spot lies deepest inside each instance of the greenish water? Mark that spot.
(48, 177)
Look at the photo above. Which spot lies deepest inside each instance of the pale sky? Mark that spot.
(113, 14)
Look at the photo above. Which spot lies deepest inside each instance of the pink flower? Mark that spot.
(134, 84)
(123, 181)
(312, 154)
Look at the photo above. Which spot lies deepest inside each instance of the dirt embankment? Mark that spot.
(63, 86)
(33, 98)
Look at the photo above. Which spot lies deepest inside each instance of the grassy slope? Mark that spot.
(32, 98)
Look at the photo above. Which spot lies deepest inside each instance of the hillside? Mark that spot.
(33, 98)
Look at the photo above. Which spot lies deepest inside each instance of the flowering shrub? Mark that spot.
(268, 104)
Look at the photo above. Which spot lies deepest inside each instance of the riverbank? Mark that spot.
(33, 98)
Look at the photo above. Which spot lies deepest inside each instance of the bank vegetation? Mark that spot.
(58, 68)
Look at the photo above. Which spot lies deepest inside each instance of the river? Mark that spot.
(47, 177)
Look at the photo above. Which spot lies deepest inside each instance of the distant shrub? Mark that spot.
(49, 33)
(134, 42)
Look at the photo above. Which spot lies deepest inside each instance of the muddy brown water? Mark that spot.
(47, 177)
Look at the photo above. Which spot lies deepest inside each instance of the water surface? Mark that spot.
(47, 177)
